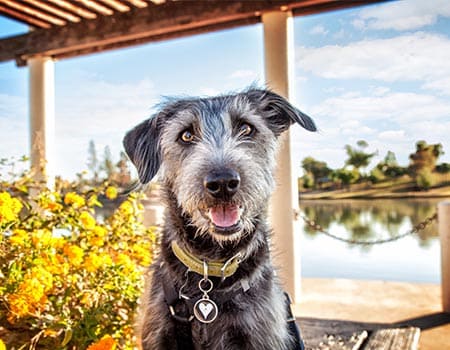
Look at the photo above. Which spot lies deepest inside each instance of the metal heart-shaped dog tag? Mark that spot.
(205, 310)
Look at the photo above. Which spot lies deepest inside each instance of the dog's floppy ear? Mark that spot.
(279, 112)
(142, 146)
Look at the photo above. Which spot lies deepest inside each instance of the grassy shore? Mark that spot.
(399, 188)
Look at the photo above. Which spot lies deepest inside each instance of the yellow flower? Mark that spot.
(96, 241)
(111, 192)
(126, 208)
(93, 201)
(19, 237)
(74, 254)
(100, 231)
(29, 298)
(142, 254)
(106, 259)
(74, 200)
(9, 208)
(87, 220)
(18, 305)
(52, 206)
(92, 262)
(2, 345)
(44, 277)
(124, 260)
(106, 343)
(42, 238)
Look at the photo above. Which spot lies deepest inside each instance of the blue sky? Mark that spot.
(379, 73)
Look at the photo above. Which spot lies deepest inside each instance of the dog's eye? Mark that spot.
(246, 130)
(187, 136)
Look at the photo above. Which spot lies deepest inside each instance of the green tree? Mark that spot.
(357, 157)
(345, 176)
(388, 167)
(425, 156)
(319, 171)
(423, 163)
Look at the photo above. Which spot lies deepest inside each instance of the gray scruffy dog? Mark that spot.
(213, 285)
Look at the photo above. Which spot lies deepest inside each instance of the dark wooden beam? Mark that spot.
(155, 38)
(141, 25)
(327, 6)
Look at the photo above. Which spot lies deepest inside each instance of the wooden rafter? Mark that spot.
(9, 12)
(96, 6)
(33, 12)
(79, 11)
(138, 3)
(114, 28)
(116, 5)
(53, 10)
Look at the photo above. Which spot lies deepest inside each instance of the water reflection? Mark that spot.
(372, 219)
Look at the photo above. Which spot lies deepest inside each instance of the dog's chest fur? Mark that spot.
(252, 319)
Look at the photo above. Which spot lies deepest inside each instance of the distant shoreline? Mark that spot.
(388, 190)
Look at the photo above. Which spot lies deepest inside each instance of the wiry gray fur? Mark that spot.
(255, 319)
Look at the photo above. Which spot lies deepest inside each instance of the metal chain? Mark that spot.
(416, 229)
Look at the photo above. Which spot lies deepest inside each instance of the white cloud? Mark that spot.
(208, 91)
(420, 57)
(244, 74)
(380, 90)
(398, 106)
(440, 85)
(402, 15)
(14, 132)
(318, 30)
(392, 135)
(393, 121)
(97, 110)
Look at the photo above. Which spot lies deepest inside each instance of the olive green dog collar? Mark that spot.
(221, 268)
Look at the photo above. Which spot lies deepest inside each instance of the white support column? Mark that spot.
(42, 119)
(279, 71)
(444, 233)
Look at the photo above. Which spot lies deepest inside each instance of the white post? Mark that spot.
(279, 71)
(42, 119)
(444, 233)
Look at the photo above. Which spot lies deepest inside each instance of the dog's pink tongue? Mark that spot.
(224, 215)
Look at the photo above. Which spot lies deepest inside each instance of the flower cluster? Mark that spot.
(70, 273)
(9, 209)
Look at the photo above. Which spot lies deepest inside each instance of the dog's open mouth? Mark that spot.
(225, 218)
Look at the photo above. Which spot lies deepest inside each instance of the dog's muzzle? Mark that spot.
(221, 185)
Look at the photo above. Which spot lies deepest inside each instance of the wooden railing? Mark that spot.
(444, 233)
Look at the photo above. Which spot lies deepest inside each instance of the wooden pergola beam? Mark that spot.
(153, 23)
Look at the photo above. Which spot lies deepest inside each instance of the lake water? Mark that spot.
(415, 258)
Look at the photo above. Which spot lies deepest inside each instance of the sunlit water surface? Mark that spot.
(415, 258)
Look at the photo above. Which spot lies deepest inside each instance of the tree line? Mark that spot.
(104, 168)
(423, 168)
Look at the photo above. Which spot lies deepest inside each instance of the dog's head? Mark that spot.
(216, 155)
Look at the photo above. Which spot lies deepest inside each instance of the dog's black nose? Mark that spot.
(222, 184)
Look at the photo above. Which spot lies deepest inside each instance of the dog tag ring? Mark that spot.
(205, 310)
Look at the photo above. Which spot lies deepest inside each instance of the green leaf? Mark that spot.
(67, 336)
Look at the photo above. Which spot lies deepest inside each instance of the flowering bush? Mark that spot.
(69, 280)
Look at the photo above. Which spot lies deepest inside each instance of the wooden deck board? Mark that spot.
(321, 334)
(394, 339)
(379, 305)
